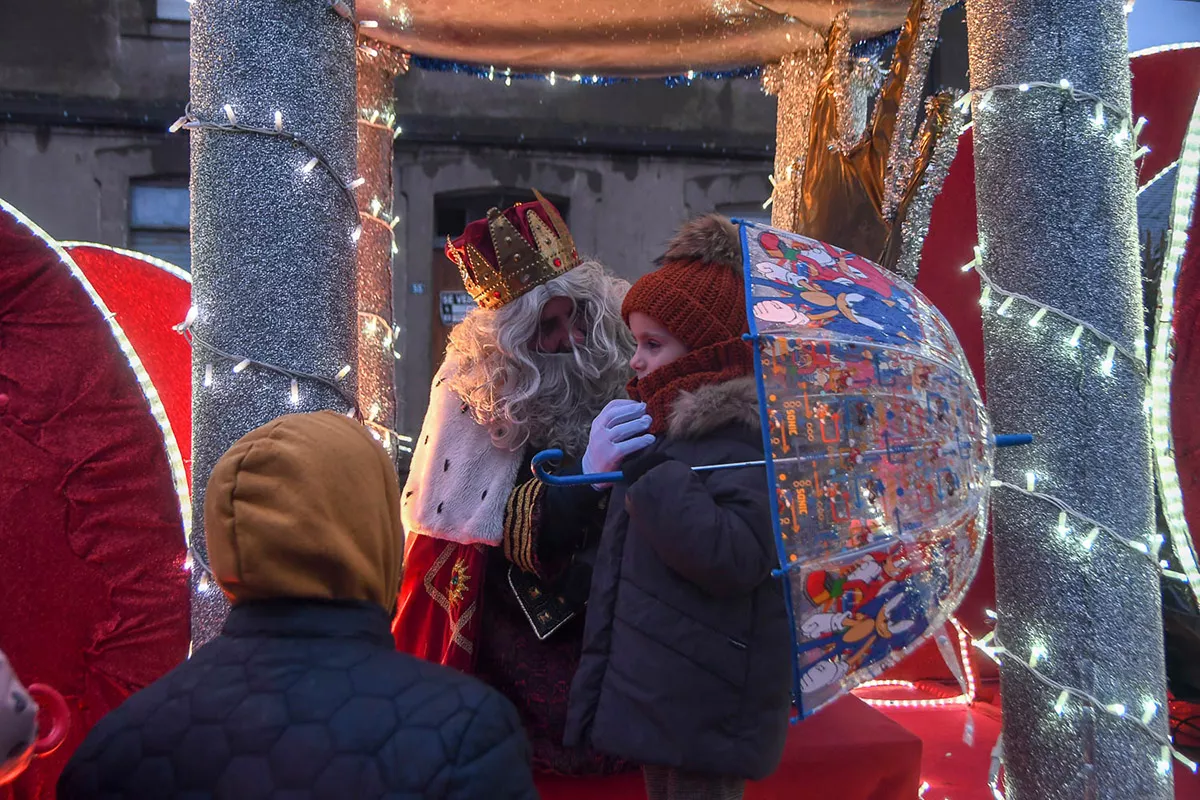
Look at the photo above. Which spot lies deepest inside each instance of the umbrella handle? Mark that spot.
(551, 458)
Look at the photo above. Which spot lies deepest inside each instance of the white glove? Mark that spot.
(617, 431)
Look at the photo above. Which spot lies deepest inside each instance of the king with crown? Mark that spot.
(497, 564)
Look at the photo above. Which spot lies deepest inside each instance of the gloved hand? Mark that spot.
(617, 431)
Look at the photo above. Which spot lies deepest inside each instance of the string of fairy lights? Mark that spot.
(1071, 522)
(375, 214)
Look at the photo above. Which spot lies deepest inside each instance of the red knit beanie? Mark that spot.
(698, 295)
(697, 292)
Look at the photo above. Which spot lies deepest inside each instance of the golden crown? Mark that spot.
(531, 244)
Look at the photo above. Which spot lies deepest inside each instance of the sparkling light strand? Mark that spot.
(191, 122)
(1169, 489)
(1064, 692)
(993, 288)
(1062, 85)
(1133, 544)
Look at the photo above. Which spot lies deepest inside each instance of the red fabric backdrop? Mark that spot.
(93, 599)
(148, 300)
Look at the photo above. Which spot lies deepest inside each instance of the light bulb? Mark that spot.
(1024, 87)
(208, 375)
(357, 182)
(985, 296)
(1090, 539)
(1116, 709)
(1098, 117)
(1037, 654)
(1036, 319)
(189, 562)
(1005, 306)
(1030, 480)
(241, 366)
(229, 114)
(203, 585)
(343, 372)
(295, 393)
(1062, 523)
(312, 163)
(1106, 366)
(1149, 709)
(1064, 84)
(1060, 705)
(279, 121)
(356, 234)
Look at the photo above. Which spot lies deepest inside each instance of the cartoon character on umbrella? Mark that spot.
(837, 290)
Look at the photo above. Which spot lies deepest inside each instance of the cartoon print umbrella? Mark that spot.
(878, 453)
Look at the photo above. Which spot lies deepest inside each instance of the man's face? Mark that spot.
(560, 328)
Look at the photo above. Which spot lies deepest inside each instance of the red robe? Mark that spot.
(495, 574)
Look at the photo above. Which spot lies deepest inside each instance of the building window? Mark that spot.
(179, 10)
(158, 222)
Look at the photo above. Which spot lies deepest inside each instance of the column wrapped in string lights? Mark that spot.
(274, 226)
(1079, 633)
(378, 350)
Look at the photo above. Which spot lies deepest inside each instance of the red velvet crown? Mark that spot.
(507, 254)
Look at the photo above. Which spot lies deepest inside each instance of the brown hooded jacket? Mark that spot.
(307, 506)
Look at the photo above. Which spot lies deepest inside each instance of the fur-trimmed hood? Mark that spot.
(714, 406)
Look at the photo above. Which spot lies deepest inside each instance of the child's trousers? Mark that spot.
(665, 783)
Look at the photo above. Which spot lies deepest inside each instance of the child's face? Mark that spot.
(655, 346)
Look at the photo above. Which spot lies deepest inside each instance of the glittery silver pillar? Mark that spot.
(1057, 223)
(272, 247)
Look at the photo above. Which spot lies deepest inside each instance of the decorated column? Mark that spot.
(378, 66)
(274, 227)
(1079, 632)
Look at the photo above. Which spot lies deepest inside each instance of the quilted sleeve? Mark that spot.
(493, 757)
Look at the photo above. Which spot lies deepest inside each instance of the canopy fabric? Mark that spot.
(619, 37)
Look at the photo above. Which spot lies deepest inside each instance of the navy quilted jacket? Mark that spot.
(299, 699)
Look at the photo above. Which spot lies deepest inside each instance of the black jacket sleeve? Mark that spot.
(544, 525)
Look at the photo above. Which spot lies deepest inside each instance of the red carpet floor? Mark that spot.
(952, 768)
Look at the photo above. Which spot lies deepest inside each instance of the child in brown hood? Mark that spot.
(303, 692)
(686, 662)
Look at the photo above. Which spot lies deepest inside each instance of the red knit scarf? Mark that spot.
(717, 363)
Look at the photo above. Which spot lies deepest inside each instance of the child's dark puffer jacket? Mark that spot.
(686, 659)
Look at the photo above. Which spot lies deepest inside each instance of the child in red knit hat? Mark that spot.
(687, 654)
